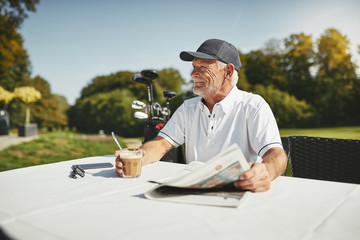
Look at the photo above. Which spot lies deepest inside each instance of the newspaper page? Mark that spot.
(210, 184)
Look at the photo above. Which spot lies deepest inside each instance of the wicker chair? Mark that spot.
(325, 158)
(286, 145)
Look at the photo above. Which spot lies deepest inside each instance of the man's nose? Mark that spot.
(194, 73)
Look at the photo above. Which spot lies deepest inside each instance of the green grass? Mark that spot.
(56, 147)
(339, 132)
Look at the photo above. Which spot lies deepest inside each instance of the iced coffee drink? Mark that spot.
(132, 159)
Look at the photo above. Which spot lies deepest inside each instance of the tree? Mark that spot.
(110, 111)
(297, 62)
(334, 57)
(264, 67)
(288, 111)
(243, 83)
(170, 79)
(5, 96)
(14, 11)
(103, 84)
(336, 77)
(27, 95)
(50, 111)
(14, 61)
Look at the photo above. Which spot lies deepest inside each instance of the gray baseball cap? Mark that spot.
(215, 49)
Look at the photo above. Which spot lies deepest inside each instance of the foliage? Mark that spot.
(5, 96)
(50, 111)
(336, 80)
(27, 94)
(14, 11)
(14, 61)
(103, 84)
(169, 79)
(110, 111)
(297, 62)
(264, 69)
(334, 57)
(288, 111)
(242, 80)
(320, 73)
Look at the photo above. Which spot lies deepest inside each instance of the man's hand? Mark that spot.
(153, 151)
(118, 163)
(256, 179)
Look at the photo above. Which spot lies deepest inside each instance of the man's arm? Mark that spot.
(258, 178)
(153, 151)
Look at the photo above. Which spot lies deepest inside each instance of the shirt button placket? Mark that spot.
(212, 126)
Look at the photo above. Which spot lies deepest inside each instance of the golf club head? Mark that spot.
(156, 106)
(165, 111)
(141, 115)
(169, 94)
(137, 77)
(136, 104)
(149, 74)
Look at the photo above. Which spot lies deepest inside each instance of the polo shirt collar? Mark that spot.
(226, 103)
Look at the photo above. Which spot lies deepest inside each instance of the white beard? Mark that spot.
(207, 90)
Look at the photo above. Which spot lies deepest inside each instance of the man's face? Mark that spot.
(207, 77)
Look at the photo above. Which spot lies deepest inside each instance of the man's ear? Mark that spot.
(229, 71)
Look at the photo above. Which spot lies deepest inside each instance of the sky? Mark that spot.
(70, 42)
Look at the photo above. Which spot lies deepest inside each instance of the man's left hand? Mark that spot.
(256, 179)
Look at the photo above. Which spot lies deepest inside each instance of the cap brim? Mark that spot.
(189, 56)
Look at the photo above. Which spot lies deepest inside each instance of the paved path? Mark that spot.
(12, 139)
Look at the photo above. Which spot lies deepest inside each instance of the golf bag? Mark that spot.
(151, 130)
(154, 122)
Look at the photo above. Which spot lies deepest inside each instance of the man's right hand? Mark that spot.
(153, 151)
(118, 163)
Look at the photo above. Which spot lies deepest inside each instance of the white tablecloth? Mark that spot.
(43, 202)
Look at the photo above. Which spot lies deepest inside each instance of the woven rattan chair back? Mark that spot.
(325, 158)
(286, 145)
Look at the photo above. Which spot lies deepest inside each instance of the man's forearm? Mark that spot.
(155, 150)
(275, 160)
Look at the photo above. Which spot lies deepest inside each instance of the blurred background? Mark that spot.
(301, 56)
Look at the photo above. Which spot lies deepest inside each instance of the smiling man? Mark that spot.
(220, 116)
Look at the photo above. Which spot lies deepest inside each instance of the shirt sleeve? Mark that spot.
(173, 130)
(263, 129)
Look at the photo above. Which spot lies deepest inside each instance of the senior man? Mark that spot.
(220, 116)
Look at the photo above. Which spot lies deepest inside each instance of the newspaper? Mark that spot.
(210, 184)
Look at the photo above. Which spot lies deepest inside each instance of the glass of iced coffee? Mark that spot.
(132, 160)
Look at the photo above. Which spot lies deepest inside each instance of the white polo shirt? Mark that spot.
(241, 117)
